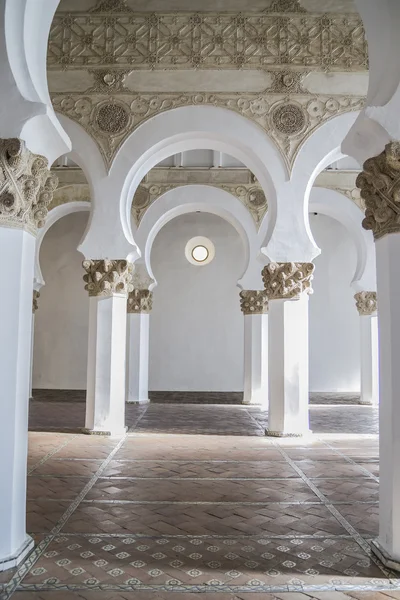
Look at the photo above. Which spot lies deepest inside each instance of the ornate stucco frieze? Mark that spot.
(288, 119)
(35, 299)
(379, 183)
(108, 277)
(140, 301)
(26, 186)
(287, 280)
(223, 40)
(366, 303)
(253, 302)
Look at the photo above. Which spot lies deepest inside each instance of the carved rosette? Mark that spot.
(253, 302)
(26, 186)
(366, 303)
(140, 301)
(35, 298)
(379, 183)
(108, 277)
(287, 280)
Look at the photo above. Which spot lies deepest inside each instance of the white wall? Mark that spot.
(61, 321)
(334, 320)
(196, 326)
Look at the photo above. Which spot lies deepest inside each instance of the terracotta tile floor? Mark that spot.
(196, 500)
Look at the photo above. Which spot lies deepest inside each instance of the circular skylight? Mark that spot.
(199, 251)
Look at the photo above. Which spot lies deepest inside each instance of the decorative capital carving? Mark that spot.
(287, 280)
(379, 183)
(140, 301)
(35, 298)
(253, 302)
(108, 277)
(366, 303)
(26, 186)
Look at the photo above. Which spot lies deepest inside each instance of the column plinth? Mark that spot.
(254, 305)
(140, 304)
(108, 283)
(26, 189)
(287, 286)
(379, 183)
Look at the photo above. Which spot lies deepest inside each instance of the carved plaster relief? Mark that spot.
(108, 277)
(26, 186)
(253, 302)
(35, 300)
(140, 301)
(132, 40)
(287, 281)
(366, 303)
(288, 120)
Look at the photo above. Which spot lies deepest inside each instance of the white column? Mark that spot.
(254, 305)
(287, 286)
(379, 183)
(108, 284)
(17, 247)
(138, 357)
(369, 364)
(140, 303)
(387, 546)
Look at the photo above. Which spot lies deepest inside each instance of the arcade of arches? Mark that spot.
(200, 241)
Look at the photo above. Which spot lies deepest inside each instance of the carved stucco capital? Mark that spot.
(108, 277)
(366, 303)
(287, 280)
(379, 183)
(35, 298)
(140, 301)
(26, 186)
(253, 302)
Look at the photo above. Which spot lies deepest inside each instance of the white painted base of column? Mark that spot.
(105, 397)
(138, 358)
(369, 359)
(16, 559)
(384, 557)
(255, 389)
(288, 414)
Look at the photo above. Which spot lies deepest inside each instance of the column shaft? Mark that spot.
(388, 283)
(288, 367)
(256, 359)
(105, 399)
(18, 249)
(138, 357)
(369, 359)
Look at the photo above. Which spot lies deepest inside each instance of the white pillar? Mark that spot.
(108, 283)
(379, 183)
(138, 357)
(287, 286)
(367, 307)
(17, 247)
(254, 305)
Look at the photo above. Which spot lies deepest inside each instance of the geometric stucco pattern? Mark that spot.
(190, 40)
(366, 303)
(253, 302)
(289, 119)
(287, 280)
(108, 277)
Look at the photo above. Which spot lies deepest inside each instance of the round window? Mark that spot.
(199, 251)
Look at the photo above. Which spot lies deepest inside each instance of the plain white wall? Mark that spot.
(196, 326)
(334, 319)
(61, 321)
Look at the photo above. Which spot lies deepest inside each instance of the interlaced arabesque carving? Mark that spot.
(26, 186)
(140, 301)
(253, 302)
(288, 121)
(35, 299)
(287, 280)
(250, 195)
(379, 183)
(207, 40)
(366, 303)
(108, 277)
